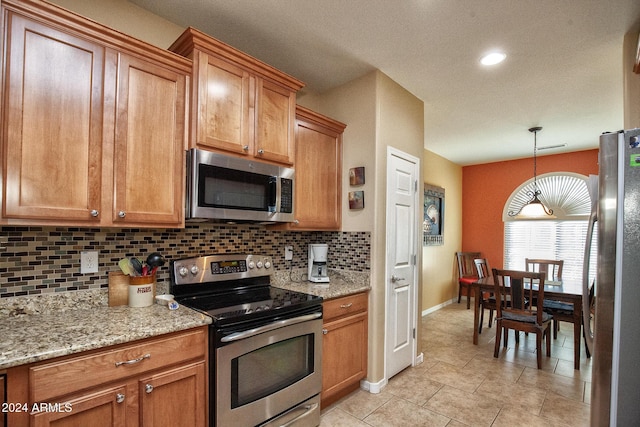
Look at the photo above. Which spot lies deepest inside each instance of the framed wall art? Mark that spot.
(356, 199)
(356, 176)
(433, 221)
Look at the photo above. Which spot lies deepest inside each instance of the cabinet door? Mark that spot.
(344, 356)
(225, 116)
(103, 408)
(3, 394)
(149, 144)
(174, 398)
(52, 130)
(276, 108)
(318, 177)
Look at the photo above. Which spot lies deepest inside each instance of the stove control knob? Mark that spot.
(266, 307)
(267, 264)
(259, 264)
(258, 308)
(182, 271)
(194, 269)
(251, 265)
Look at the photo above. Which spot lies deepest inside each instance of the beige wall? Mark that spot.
(631, 82)
(438, 264)
(126, 18)
(378, 113)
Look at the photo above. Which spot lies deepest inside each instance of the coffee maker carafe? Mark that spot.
(318, 263)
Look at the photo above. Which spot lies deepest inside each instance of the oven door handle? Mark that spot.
(270, 327)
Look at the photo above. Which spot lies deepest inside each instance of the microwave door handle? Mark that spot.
(273, 191)
(270, 327)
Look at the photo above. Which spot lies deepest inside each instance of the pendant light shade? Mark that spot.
(534, 208)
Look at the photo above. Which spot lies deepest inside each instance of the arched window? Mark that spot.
(562, 237)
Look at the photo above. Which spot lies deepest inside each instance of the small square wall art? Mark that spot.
(356, 176)
(356, 199)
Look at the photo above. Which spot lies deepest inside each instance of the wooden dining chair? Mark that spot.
(466, 273)
(551, 267)
(561, 311)
(521, 287)
(488, 300)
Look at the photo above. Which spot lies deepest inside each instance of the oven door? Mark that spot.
(273, 373)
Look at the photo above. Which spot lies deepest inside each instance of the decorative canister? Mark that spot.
(141, 290)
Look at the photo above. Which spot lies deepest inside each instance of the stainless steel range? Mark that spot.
(265, 343)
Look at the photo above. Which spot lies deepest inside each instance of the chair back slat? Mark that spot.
(522, 289)
(482, 267)
(551, 267)
(466, 267)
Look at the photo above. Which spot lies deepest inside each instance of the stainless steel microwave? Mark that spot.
(232, 189)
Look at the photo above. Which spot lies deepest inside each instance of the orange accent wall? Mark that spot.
(486, 187)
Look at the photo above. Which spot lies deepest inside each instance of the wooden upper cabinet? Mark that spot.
(318, 166)
(149, 144)
(240, 105)
(52, 132)
(225, 105)
(94, 127)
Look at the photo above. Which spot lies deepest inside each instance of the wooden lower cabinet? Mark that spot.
(156, 382)
(345, 345)
(2, 400)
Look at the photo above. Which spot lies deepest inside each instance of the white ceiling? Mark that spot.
(563, 70)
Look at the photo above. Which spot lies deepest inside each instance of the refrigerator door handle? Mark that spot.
(586, 307)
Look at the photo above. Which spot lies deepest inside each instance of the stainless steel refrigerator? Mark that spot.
(615, 340)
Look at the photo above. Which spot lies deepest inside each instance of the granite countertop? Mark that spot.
(341, 283)
(44, 327)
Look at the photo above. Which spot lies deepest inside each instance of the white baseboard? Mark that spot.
(374, 388)
(439, 306)
(419, 359)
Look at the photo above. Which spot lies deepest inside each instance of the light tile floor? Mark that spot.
(460, 384)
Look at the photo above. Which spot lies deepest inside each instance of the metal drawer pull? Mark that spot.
(308, 409)
(395, 278)
(346, 305)
(148, 388)
(325, 331)
(133, 361)
(275, 325)
(119, 398)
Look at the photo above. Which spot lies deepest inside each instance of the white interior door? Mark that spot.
(402, 200)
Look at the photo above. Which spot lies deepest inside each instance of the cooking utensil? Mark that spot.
(137, 265)
(155, 259)
(125, 266)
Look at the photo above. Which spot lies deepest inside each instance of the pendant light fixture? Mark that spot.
(534, 208)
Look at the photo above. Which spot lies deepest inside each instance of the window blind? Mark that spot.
(562, 240)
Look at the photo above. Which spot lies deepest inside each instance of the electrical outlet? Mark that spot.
(288, 253)
(88, 262)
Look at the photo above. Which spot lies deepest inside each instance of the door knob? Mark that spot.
(395, 278)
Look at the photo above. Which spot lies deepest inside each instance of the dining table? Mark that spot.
(566, 290)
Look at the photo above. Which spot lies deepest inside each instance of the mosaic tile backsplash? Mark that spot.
(37, 260)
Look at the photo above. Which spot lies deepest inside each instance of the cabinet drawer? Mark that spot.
(344, 306)
(76, 373)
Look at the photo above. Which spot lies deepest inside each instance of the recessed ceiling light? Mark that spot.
(493, 58)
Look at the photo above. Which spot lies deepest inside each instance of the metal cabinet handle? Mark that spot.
(325, 332)
(122, 214)
(94, 213)
(119, 398)
(148, 388)
(134, 361)
(245, 147)
(395, 278)
(345, 306)
(261, 151)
